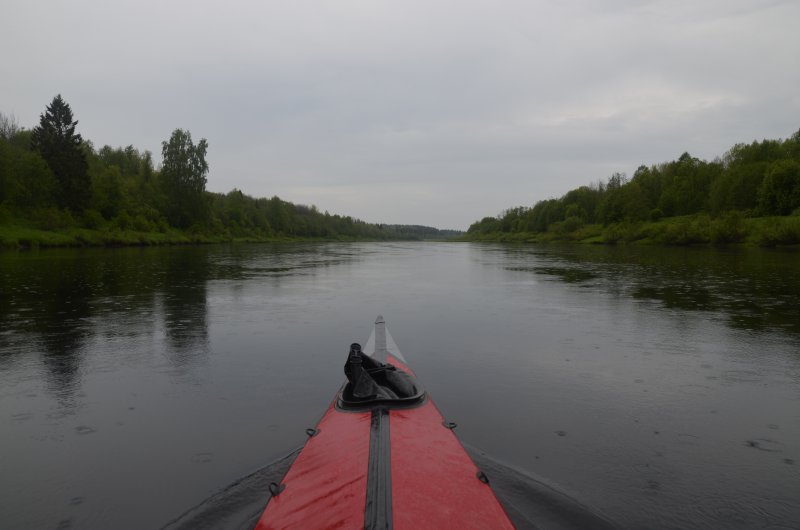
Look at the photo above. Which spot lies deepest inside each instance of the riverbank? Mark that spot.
(731, 229)
(17, 237)
(692, 230)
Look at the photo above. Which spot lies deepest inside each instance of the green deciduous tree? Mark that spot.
(487, 225)
(61, 147)
(278, 215)
(26, 182)
(9, 127)
(625, 203)
(107, 192)
(183, 177)
(780, 191)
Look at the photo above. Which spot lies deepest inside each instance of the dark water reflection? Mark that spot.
(659, 386)
(756, 290)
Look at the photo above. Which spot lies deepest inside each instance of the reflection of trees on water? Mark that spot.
(46, 306)
(756, 289)
(65, 326)
(686, 297)
(56, 304)
(186, 272)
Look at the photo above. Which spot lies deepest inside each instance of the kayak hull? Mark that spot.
(384, 467)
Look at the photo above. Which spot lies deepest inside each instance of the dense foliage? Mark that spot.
(59, 145)
(183, 177)
(52, 179)
(752, 180)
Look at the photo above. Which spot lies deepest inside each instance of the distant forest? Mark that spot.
(684, 201)
(54, 180)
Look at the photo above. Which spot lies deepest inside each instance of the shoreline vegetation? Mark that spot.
(22, 235)
(749, 196)
(690, 230)
(58, 190)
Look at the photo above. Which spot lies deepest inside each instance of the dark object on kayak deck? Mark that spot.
(370, 382)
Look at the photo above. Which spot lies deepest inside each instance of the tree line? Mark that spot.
(751, 180)
(53, 179)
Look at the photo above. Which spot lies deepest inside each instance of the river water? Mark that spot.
(659, 386)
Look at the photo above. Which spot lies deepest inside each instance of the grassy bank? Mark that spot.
(16, 236)
(731, 229)
(23, 236)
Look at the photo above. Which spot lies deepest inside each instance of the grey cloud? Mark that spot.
(416, 112)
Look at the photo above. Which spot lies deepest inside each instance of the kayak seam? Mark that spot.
(378, 506)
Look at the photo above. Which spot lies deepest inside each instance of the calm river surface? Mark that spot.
(659, 386)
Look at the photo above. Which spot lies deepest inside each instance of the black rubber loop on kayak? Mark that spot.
(482, 477)
(450, 424)
(312, 432)
(275, 489)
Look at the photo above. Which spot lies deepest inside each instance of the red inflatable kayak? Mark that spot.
(382, 457)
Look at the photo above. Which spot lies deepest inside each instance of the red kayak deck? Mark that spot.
(384, 468)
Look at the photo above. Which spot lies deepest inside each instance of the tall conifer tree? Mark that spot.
(61, 147)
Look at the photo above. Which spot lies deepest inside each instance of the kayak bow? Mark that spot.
(382, 457)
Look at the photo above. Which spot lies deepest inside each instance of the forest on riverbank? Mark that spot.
(57, 189)
(749, 195)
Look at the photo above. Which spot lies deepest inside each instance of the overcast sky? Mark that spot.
(411, 111)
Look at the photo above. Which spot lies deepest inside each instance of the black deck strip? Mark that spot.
(378, 509)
